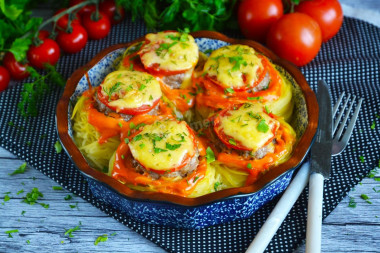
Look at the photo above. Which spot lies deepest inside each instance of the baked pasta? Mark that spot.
(172, 120)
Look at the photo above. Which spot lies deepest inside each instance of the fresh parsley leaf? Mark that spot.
(373, 126)
(362, 158)
(68, 197)
(172, 146)
(70, 231)
(32, 196)
(366, 198)
(262, 126)
(159, 150)
(20, 170)
(58, 147)
(44, 205)
(10, 232)
(57, 188)
(216, 185)
(6, 198)
(249, 166)
(210, 156)
(101, 238)
(229, 90)
(352, 203)
(232, 142)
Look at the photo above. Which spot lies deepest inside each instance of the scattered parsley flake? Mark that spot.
(101, 238)
(253, 98)
(232, 142)
(210, 156)
(143, 86)
(113, 234)
(249, 166)
(216, 185)
(71, 230)
(20, 191)
(58, 147)
(126, 140)
(132, 125)
(23, 212)
(6, 198)
(137, 137)
(262, 126)
(372, 173)
(27, 241)
(74, 206)
(172, 146)
(68, 197)
(352, 203)
(9, 232)
(195, 179)
(366, 198)
(120, 125)
(373, 125)
(159, 150)
(122, 157)
(229, 90)
(57, 188)
(20, 170)
(362, 159)
(32, 196)
(46, 206)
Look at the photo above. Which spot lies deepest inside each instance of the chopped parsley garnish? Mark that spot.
(27, 241)
(70, 231)
(373, 125)
(229, 90)
(6, 198)
(137, 137)
(238, 60)
(249, 166)
(32, 196)
(254, 115)
(372, 173)
(122, 157)
(362, 159)
(142, 86)
(262, 126)
(216, 185)
(20, 170)
(232, 142)
(172, 146)
(23, 212)
(366, 198)
(113, 234)
(132, 125)
(9, 232)
(150, 97)
(20, 191)
(68, 197)
(131, 67)
(58, 147)
(210, 156)
(195, 179)
(208, 51)
(267, 109)
(74, 206)
(352, 203)
(120, 125)
(141, 145)
(101, 238)
(159, 150)
(139, 125)
(44, 205)
(126, 140)
(57, 188)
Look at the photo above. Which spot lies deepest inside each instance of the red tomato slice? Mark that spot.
(130, 111)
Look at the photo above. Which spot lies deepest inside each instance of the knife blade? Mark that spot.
(321, 149)
(320, 164)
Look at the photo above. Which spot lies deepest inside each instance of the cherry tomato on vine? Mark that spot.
(96, 29)
(46, 52)
(295, 37)
(63, 21)
(16, 69)
(115, 13)
(256, 16)
(84, 9)
(4, 78)
(74, 41)
(327, 13)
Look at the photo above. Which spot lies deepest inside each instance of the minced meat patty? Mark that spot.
(174, 81)
(260, 153)
(186, 170)
(104, 109)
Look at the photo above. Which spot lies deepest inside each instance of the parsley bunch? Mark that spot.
(193, 14)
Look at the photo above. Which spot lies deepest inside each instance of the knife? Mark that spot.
(320, 164)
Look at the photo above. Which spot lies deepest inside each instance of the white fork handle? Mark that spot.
(314, 214)
(282, 208)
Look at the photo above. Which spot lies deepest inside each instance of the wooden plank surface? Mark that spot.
(344, 230)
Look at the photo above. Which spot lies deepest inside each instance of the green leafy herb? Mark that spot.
(101, 238)
(373, 126)
(113, 234)
(238, 60)
(20, 170)
(132, 125)
(32, 196)
(362, 159)
(249, 166)
(159, 150)
(10, 232)
(142, 86)
(172, 146)
(216, 185)
(253, 98)
(68, 197)
(210, 156)
(137, 137)
(57, 188)
(70, 231)
(20, 191)
(232, 142)
(229, 90)
(23, 212)
(126, 140)
(352, 203)
(58, 147)
(262, 126)
(44, 205)
(366, 198)
(6, 198)
(74, 206)
(27, 241)
(114, 88)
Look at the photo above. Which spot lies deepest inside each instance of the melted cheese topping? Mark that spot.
(162, 145)
(247, 125)
(234, 66)
(171, 51)
(132, 89)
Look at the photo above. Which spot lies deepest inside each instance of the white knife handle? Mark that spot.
(314, 214)
(277, 216)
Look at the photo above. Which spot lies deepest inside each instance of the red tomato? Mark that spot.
(296, 37)
(84, 9)
(72, 42)
(63, 21)
(108, 7)
(16, 69)
(46, 52)
(96, 29)
(4, 78)
(327, 13)
(130, 111)
(256, 16)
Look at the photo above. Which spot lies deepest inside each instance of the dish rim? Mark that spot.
(295, 160)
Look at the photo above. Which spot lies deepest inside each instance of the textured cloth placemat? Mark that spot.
(349, 62)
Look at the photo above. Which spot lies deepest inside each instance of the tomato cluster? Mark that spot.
(73, 31)
(296, 36)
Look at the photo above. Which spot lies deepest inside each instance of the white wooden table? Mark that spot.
(344, 230)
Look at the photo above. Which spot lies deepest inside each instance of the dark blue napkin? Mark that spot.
(350, 62)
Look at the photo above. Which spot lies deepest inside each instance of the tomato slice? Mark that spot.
(130, 111)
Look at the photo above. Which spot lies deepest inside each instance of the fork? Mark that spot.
(290, 196)
(340, 142)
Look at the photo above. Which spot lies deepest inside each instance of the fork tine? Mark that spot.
(347, 134)
(341, 128)
(335, 109)
(336, 123)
